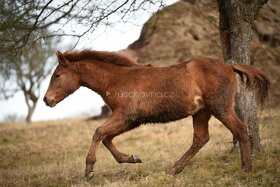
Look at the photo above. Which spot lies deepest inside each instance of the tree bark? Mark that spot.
(236, 17)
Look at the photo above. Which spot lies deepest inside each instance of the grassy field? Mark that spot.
(53, 154)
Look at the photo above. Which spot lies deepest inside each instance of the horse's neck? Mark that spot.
(96, 75)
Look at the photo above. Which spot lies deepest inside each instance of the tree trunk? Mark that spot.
(236, 17)
(30, 112)
(31, 101)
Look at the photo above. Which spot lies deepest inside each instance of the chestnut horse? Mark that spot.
(139, 94)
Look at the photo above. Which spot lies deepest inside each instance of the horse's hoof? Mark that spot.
(136, 159)
(88, 176)
(171, 171)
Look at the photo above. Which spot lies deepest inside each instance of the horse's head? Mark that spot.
(64, 81)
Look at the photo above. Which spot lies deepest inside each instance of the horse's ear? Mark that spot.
(61, 58)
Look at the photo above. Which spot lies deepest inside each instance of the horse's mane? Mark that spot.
(111, 57)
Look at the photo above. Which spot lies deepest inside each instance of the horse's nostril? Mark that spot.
(49, 101)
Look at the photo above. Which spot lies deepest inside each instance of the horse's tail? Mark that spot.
(255, 80)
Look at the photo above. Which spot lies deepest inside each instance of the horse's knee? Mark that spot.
(98, 134)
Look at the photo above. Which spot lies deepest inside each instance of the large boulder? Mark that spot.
(176, 33)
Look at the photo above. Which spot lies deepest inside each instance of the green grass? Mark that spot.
(53, 154)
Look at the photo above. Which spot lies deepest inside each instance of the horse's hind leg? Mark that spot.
(200, 138)
(119, 156)
(239, 131)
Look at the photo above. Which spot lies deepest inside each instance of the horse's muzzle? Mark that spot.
(49, 102)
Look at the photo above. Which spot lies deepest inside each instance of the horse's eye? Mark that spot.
(57, 75)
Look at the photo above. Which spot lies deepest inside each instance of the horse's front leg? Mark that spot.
(112, 125)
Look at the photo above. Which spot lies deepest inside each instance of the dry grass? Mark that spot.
(53, 154)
